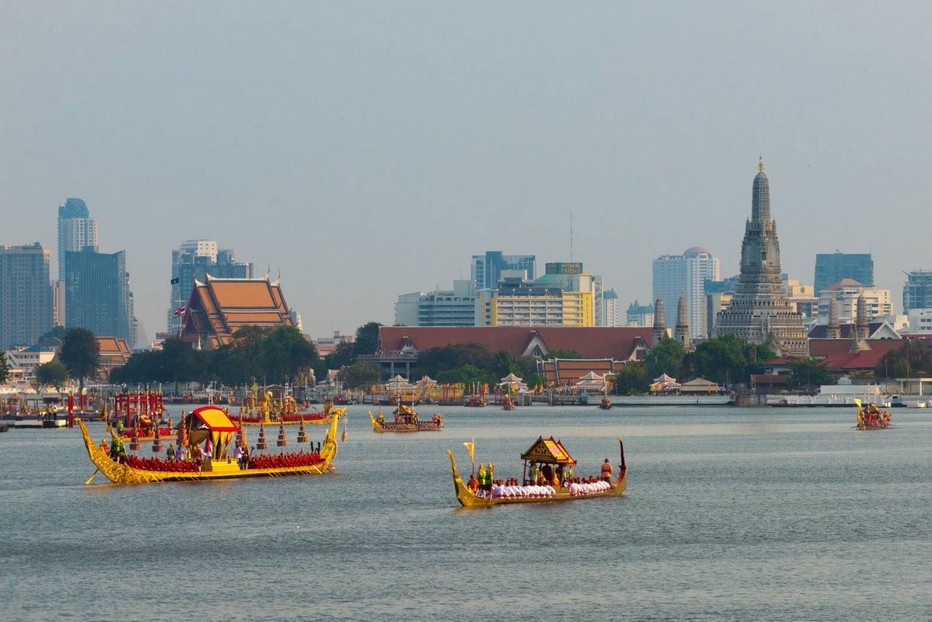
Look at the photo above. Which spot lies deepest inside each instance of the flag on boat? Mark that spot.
(181, 311)
(471, 448)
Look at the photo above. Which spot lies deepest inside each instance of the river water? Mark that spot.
(730, 514)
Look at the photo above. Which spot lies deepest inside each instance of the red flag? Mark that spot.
(181, 311)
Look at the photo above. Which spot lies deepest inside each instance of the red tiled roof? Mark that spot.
(218, 307)
(618, 343)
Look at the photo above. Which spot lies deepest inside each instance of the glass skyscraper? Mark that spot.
(833, 267)
(97, 295)
(25, 295)
(487, 269)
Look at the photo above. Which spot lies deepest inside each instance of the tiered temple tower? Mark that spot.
(681, 331)
(659, 332)
(760, 312)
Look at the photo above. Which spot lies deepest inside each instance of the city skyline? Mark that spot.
(366, 153)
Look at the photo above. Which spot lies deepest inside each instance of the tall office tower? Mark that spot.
(25, 295)
(676, 275)
(760, 312)
(97, 295)
(76, 229)
(487, 269)
(194, 260)
(610, 306)
(917, 292)
(833, 267)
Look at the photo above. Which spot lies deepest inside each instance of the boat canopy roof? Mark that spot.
(548, 450)
(213, 419)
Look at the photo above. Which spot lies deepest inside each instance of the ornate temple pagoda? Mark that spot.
(760, 312)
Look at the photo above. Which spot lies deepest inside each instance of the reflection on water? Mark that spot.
(729, 514)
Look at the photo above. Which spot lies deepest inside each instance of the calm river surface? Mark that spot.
(730, 514)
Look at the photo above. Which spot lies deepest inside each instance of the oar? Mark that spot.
(96, 471)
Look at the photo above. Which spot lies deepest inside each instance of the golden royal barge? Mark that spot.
(207, 436)
(546, 458)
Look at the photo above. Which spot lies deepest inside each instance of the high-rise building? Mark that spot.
(760, 312)
(487, 269)
(833, 267)
(610, 308)
(193, 261)
(685, 275)
(76, 229)
(25, 295)
(917, 292)
(97, 295)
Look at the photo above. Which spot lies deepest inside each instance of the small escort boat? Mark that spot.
(871, 418)
(406, 420)
(547, 457)
(213, 427)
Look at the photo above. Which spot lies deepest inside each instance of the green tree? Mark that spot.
(80, 354)
(467, 374)
(360, 375)
(632, 379)
(285, 351)
(53, 374)
(666, 358)
(4, 368)
(563, 353)
(808, 374)
(367, 339)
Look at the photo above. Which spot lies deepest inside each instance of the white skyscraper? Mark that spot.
(686, 274)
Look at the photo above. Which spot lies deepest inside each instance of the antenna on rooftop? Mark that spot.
(571, 236)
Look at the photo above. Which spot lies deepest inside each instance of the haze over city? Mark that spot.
(367, 150)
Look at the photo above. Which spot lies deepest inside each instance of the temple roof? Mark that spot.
(219, 307)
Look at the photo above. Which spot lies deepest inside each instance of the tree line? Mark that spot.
(283, 354)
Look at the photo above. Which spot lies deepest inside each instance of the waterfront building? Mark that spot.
(833, 267)
(685, 275)
(454, 307)
(917, 292)
(846, 294)
(26, 310)
(193, 261)
(639, 315)
(760, 312)
(97, 295)
(219, 307)
(400, 346)
(28, 359)
(610, 308)
(486, 269)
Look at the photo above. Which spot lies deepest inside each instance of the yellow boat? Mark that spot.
(548, 452)
(215, 426)
(406, 423)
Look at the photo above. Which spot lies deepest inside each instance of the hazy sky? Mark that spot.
(369, 149)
